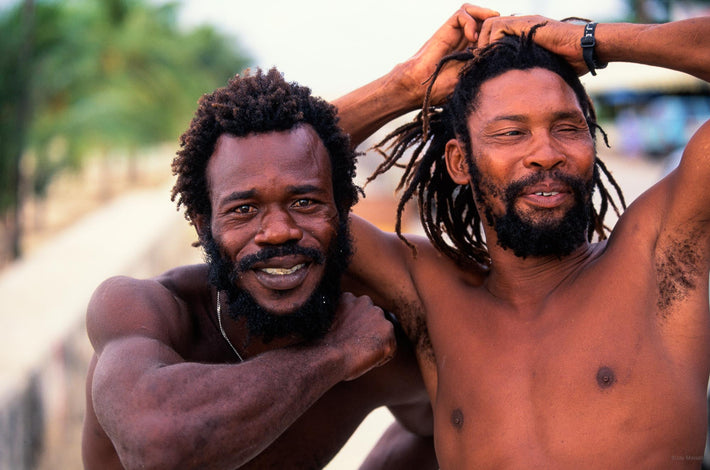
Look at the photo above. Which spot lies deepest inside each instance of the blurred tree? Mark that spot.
(80, 77)
(15, 68)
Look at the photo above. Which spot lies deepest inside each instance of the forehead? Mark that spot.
(525, 93)
(269, 160)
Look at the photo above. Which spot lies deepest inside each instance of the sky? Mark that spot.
(334, 46)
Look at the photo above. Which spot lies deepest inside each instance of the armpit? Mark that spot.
(678, 271)
(420, 337)
(413, 322)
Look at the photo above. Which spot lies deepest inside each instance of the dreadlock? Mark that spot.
(258, 103)
(446, 209)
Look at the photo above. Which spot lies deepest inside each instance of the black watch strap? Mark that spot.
(588, 43)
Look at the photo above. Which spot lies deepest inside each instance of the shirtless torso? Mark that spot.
(190, 317)
(597, 359)
(593, 375)
(608, 369)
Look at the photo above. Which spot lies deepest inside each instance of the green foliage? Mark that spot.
(95, 75)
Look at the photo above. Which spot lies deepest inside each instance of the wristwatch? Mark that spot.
(588, 42)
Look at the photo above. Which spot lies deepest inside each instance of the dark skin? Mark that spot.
(164, 390)
(598, 359)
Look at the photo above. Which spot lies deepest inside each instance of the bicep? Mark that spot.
(380, 266)
(123, 372)
(688, 192)
(126, 323)
(123, 307)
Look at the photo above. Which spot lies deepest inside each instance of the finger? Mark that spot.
(470, 18)
(484, 35)
(470, 31)
(495, 29)
(477, 12)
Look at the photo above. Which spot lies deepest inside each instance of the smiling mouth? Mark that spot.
(282, 271)
(547, 194)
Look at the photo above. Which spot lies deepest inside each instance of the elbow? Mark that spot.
(155, 447)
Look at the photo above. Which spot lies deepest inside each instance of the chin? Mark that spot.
(281, 309)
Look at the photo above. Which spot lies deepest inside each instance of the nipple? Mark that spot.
(605, 377)
(457, 419)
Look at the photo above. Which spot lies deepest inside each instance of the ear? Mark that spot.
(201, 223)
(456, 162)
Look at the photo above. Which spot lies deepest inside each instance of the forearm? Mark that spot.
(367, 109)
(399, 448)
(363, 111)
(681, 45)
(211, 416)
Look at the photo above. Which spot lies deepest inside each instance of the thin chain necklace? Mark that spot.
(221, 328)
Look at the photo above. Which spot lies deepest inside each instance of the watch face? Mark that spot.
(588, 38)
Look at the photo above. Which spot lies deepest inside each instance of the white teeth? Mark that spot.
(542, 193)
(282, 271)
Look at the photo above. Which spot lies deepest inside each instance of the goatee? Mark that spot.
(543, 237)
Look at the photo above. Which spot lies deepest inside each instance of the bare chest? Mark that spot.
(588, 367)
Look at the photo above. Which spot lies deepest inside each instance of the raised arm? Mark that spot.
(679, 45)
(162, 411)
(366, 109)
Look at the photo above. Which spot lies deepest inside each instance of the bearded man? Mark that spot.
(254, 359)
(541, 345)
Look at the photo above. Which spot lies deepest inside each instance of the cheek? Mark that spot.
(488, 180)
(321, 226)
(233, 243)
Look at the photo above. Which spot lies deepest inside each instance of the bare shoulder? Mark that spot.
(665, 237)
(157, 307)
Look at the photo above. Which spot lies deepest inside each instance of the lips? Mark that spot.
(282, 274)
(282, 271)
(546, 194)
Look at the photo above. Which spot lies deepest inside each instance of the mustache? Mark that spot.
(246, 263)
(577, 185)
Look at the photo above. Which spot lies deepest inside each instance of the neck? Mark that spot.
(527, 282)
(237, 333)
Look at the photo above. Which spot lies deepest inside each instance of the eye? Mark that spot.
(571, 130)
(303, 203)
(244, 209)
(514, 132)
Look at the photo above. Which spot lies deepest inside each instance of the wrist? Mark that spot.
(589, 49)
(406, 88)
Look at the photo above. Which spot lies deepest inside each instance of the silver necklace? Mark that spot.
(221, 328)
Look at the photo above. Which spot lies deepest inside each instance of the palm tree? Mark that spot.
(97, 75)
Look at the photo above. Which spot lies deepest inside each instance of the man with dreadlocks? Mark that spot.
(541, 346)
(256, 359)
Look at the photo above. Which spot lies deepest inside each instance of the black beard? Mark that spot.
(313, 318)
(547, 238)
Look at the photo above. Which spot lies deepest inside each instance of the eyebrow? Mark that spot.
(522, 118)
(304, 189)
(238, 195)
(250, 193)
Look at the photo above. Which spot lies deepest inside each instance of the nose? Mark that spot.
(277, 227)
(545, 154)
